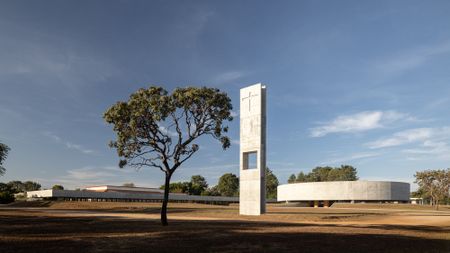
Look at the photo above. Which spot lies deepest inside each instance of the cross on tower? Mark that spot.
(249, 99)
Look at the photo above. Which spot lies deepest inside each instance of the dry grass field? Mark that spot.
(134, 227)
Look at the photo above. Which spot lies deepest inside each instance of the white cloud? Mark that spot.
(227, 77)
(88, 173)
(411, 59)
(433, 143)
(403, 137)
(352, 157)
(429, 149)
(97, 175)
(68, 144)
(52, 136)
(358, 122)
(78, 147)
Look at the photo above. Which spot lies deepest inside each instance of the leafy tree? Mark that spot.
(19, 186)
(6, 197)
(320, 174)
(324, 174)
(347, 173)
(6, 194)
(421, 193)
(58, 187)
(271, 184)
(228, 185)
(158, 129)
(31, 186)
(179, 187)
(292, 179)
(301, 177)
(198, 185)
(212, 191)
(16, 186)
(3, 154)
(128, 184)
(436, 184)
(4, 187)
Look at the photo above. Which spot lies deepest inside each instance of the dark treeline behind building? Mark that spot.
(8, 190)
(227, 186)
(324, 174)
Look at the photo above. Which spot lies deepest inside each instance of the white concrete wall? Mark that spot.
(344, 190)
(252, 199)
(122, 195)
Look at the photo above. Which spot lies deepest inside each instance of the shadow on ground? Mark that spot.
(102, 234)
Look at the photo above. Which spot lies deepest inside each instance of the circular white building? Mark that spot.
(351, 191)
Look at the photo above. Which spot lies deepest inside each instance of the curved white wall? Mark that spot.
(344, 190)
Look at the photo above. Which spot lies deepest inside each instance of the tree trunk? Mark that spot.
(165, 201)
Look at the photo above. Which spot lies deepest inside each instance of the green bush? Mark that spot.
(6, 197)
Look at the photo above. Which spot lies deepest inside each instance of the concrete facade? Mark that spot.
(123, 196)
(344, 191)
(252, 197)
(115, 188)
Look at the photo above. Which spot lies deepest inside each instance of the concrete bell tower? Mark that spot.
(252, 183)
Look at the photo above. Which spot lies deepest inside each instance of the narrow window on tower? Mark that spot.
(250, 160)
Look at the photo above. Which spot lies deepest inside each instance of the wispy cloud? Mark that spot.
(227, 77)
(351, 157)
(433, 142)
(358, 122)
(97, 175)
(88, 173)
(68, 144)
(78, 147)
(411, 59)
(403, 137)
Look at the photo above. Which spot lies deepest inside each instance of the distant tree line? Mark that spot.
(434, 186)
(7, 190)
(324, 174)
(227, 186)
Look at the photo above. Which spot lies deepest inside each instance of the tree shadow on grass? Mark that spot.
(102, 234)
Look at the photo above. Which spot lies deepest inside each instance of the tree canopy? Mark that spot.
(271, 184)
(196, 186)
(228, 185)
(130, 184)
(323, 174)
(58, 187)
(435, 184)
(3, 154)
(19, 186)
(158, 129)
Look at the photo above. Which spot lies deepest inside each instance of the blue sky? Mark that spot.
(365, 83)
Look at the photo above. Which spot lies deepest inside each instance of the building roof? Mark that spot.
(116, 188)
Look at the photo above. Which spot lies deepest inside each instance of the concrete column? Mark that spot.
(326, 203)
(252, 196)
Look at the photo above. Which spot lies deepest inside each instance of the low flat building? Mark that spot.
(110, 193)
(325, 193)
(127, 189)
